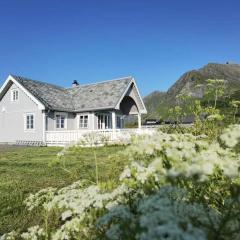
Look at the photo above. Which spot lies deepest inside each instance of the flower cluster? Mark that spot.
(74, 203)
(40, 198)
(176, 155)
(34, 233)
(9, 236)
(163, 215)
(231, 136)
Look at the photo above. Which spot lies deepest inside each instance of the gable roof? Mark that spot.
(102, 95)
(51, 96)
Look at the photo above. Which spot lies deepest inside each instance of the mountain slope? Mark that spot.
(153, 101)
(158, 103)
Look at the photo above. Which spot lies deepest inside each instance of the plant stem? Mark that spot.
(96, 165)
(46, 224)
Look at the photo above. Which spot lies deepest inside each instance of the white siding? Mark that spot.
(12, 118)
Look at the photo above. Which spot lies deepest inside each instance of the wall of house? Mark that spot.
(73, 120)
(12, 118)
(109, 113)
(71, 123)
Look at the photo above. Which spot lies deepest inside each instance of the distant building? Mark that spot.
(152, 122)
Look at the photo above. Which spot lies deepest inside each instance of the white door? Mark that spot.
(103, 121)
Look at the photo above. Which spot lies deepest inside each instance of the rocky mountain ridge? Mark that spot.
(158, 103)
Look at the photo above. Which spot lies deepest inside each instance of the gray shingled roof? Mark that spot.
(103, 95)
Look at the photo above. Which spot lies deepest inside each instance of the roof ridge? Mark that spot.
(96, 83)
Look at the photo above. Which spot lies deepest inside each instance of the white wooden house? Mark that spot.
(38, 112)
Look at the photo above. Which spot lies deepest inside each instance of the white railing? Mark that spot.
(61, 138)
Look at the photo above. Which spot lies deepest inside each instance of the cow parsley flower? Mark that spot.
(231, 136)
(9, 236)
(34, 233)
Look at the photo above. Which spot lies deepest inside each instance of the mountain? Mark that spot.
(158, 103)
(153, 101)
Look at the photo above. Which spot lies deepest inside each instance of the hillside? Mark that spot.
(153, 101)
(158, 103)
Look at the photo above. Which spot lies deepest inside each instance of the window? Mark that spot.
(29, 121)
(60, 121)
(15, 95)
(83, 121)
(119, 120)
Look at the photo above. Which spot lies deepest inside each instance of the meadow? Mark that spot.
(25, 170)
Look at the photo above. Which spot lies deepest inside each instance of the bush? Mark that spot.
(178, 186)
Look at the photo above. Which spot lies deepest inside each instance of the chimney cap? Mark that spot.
(75, 83)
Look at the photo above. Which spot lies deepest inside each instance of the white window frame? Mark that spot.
(13, 95)
(65, 120)
(83, 115)
(26, 129)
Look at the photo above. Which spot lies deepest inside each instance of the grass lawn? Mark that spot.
(25, 170)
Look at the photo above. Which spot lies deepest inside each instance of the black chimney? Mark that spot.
(75, 83)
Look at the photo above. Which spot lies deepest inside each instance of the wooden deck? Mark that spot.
(91, 137)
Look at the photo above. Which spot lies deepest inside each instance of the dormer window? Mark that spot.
(15, 95)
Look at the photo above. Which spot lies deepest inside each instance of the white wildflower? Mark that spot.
(34, 233)
(67, 214)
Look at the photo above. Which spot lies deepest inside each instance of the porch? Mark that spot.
(98, 126)
(62, 138)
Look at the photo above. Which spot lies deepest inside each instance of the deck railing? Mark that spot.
(61, 138)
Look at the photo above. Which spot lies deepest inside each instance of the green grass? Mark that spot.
(27, 170)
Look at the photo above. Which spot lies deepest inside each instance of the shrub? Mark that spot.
(178, 186)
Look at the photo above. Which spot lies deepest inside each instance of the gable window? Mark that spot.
(60, 121)
(14, 95)
(29, 124)
(83, 121)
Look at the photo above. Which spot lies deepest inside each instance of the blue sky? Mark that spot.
(153, 40)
